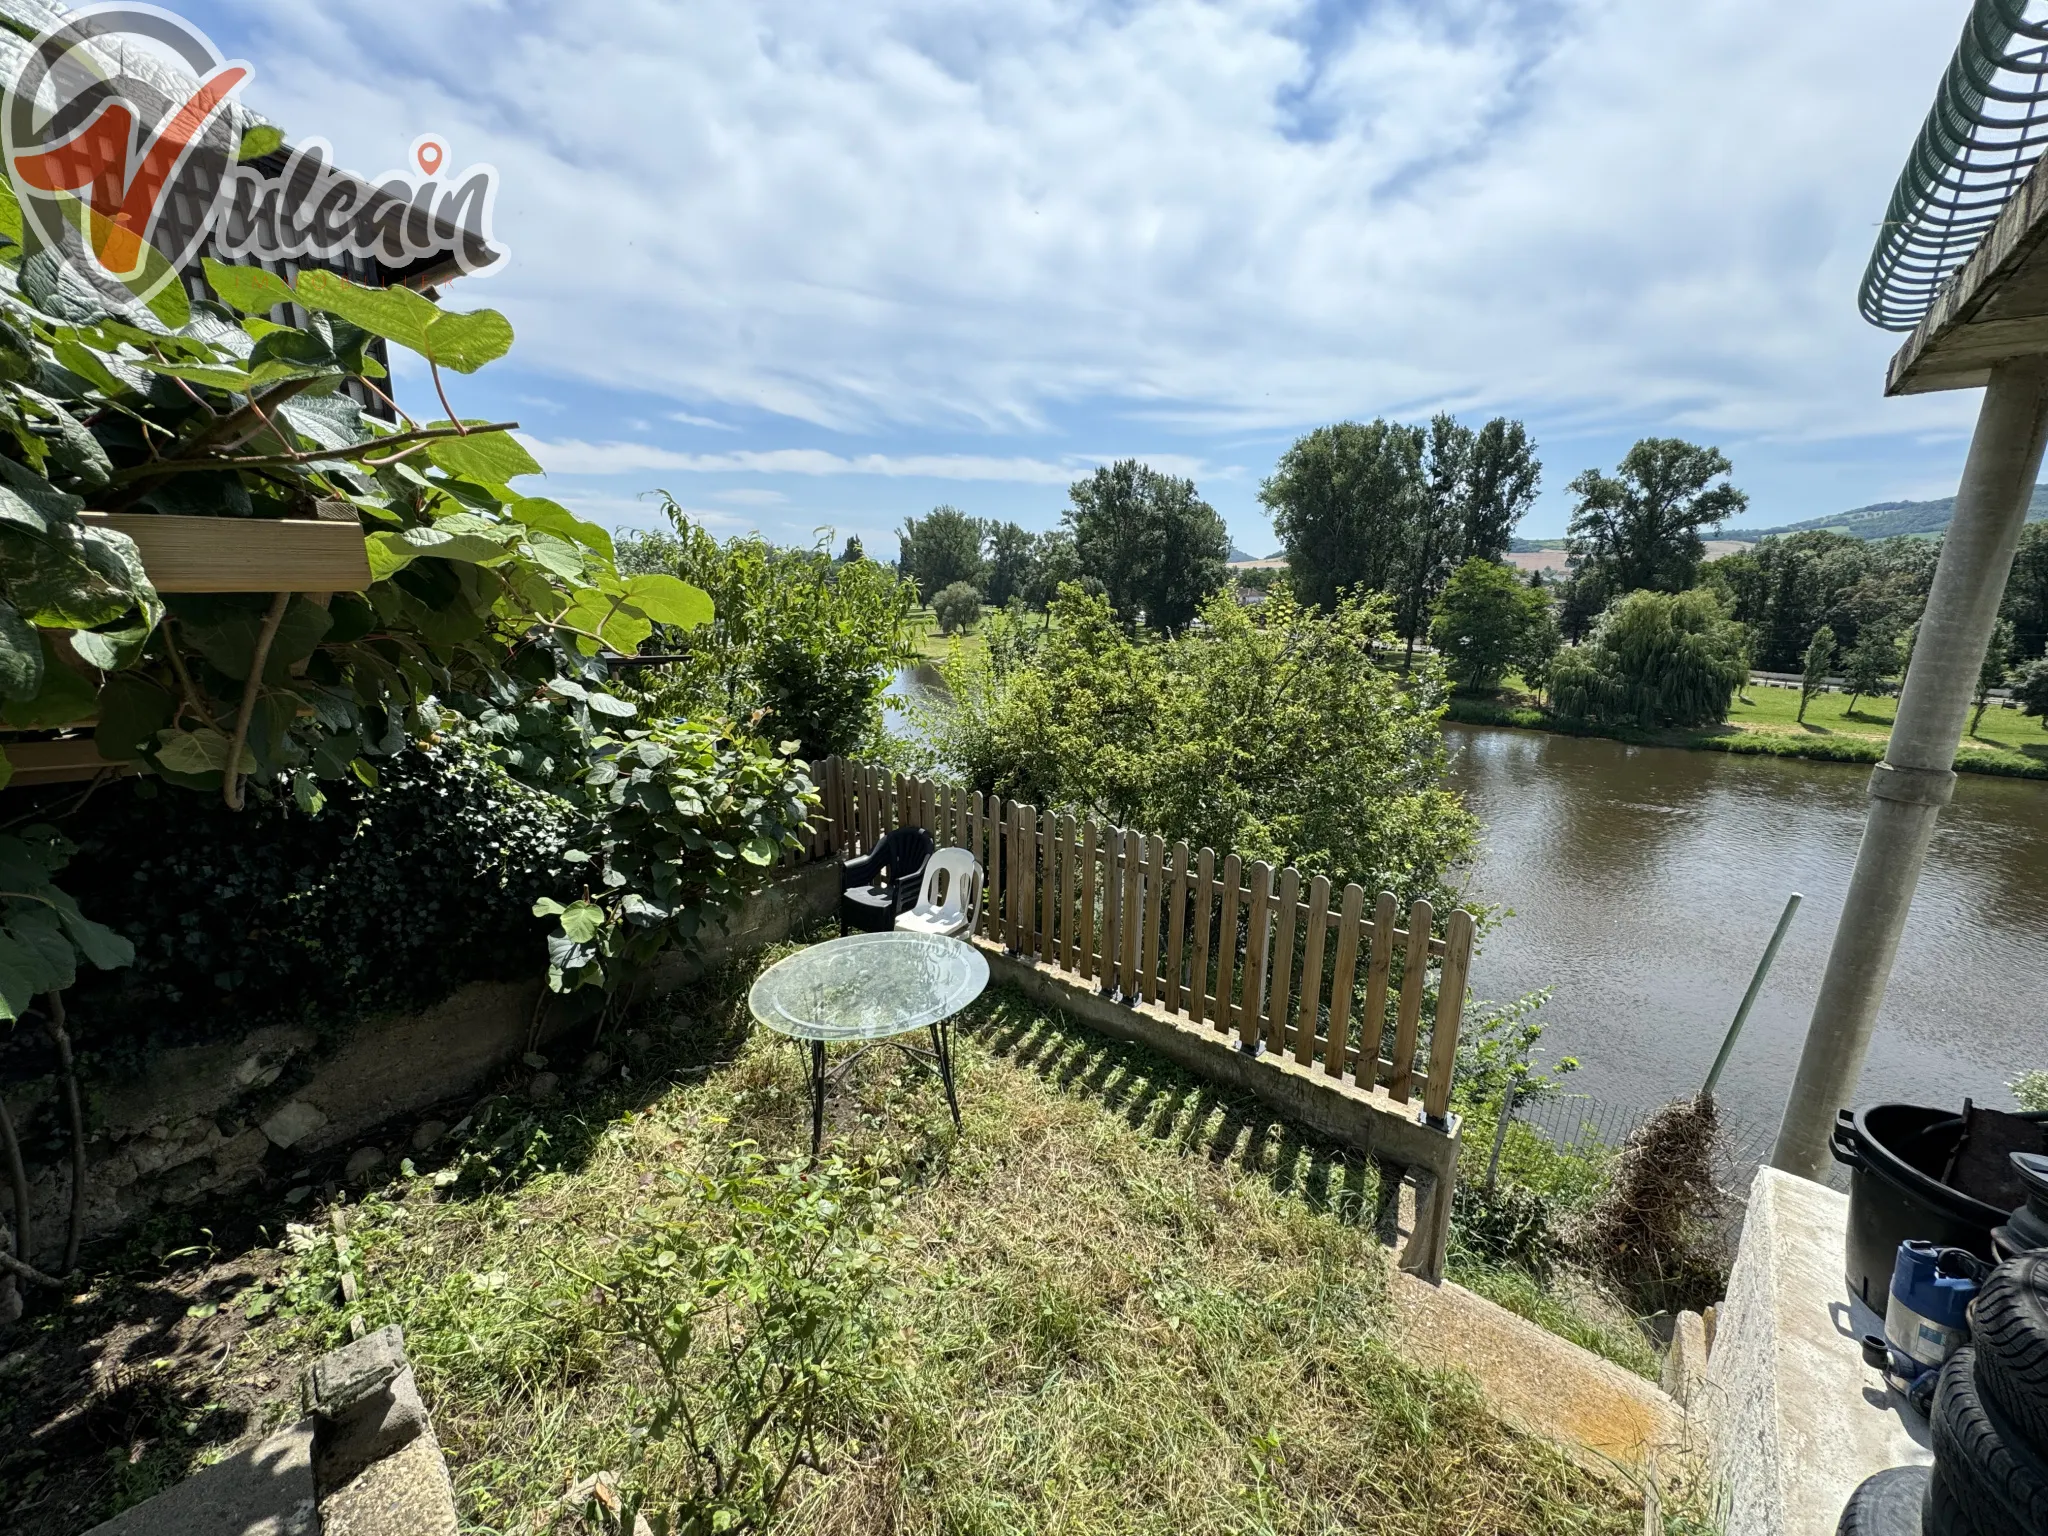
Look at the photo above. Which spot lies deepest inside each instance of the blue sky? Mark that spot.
(809, 265)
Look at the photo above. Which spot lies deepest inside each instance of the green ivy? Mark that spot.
(389, 899)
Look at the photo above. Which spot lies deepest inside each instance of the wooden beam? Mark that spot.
(244, 554)
(71, 760)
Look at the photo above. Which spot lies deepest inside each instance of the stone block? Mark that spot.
(367, 1405)
(362, 1161)
(1544, 1385)
(293, 1123)
(1685, 1362)
(240, 1153)
(405, 1494)
(266, 1489)
(1796, 1419)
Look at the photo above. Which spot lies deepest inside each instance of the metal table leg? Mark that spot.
(942, 1052)
(818, 1085)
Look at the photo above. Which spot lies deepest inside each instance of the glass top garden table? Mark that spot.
(870, 987)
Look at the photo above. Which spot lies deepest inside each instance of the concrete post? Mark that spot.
(1916, 778)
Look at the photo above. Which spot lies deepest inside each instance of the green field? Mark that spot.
(1765, 722)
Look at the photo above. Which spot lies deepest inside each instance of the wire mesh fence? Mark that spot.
(1579, 1122)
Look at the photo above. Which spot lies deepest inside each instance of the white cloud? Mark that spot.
(570, 457)
(910, 223)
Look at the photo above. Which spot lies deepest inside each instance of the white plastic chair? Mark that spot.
(953, 917)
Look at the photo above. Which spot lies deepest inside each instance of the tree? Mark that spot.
(1869, 667)
(1581, 597)
(1009, 562)
(1488, 621)
(1787, 586)
(1398, 508)
(1159, 549)
(1654, 659)
(1642, 525)
(2031, 689)
(1054, 562)
(1501, 479)
(853, 550)
(1992, 672)
(1343, 501)
(957, 608)
(940, 549)
(1435, 535)
(2026, 593)
(1820, 661)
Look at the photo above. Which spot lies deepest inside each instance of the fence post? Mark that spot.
(1133, 917)
(1450, 1010)
(1252, 1004)
(1309, 1007)
(1176, 927)
(1226, 947)
(1283, 953)
(1087, 923)
(1500, 1129)
(1198, 969)
(1338, 1046)
(1414, 975)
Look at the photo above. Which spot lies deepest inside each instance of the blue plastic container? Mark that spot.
(1927, 1316)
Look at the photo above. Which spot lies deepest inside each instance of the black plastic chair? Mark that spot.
(897, 863)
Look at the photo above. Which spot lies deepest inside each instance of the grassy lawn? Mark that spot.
(1765, 721)
(933, 646)
(1828, 714)
(1117, 1303)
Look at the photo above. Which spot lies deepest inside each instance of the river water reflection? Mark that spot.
(1645, 883)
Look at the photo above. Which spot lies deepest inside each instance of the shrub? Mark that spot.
(801, 643)
(957, 608)
(749, 1297)
(1654, 659)
(1270, 733)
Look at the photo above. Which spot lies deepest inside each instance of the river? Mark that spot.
(1645, 881)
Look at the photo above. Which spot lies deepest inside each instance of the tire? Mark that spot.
(2000, 1485)
(1940, 1515)
(2009, 1326)
(1886, 1504)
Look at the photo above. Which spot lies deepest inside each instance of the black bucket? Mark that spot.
(1896, 1153)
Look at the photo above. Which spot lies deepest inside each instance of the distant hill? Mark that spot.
(1237, 556)
(1885, 519)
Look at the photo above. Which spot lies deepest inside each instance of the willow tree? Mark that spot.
(1655, 659)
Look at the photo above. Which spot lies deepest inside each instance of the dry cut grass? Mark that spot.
(1116, 1303)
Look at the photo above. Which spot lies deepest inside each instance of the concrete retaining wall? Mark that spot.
(209, 1118)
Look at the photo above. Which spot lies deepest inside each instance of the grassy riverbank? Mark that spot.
(1765, 723)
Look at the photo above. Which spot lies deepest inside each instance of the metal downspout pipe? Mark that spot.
(1916, 778)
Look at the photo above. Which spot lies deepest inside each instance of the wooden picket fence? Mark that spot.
(1258, 953)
